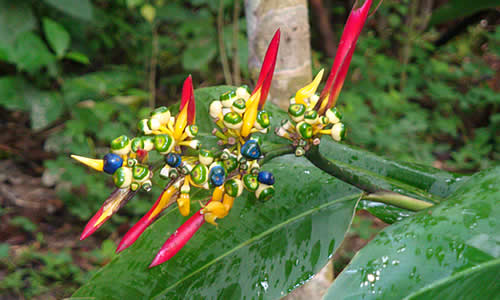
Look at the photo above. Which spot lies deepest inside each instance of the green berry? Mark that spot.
(164, 143)
(121, 145)
(233, 187)
(233, 120)
(137, 143)
(239, 106)
(305, 130)
(122, 177)
(311, 117)
(262, 120)
(250, 182)
(297, 111)
(228, 98)
(264, 192)
(199, 174)
(140, 173)
(206, 157)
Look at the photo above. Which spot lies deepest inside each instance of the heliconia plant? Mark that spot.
(282, 205)
(238, 114)
(314, 115)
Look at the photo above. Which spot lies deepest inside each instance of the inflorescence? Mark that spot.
(236, 165)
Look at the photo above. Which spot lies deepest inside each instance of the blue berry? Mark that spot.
(217, 175)
(111, 163)
(251, 149)
(266, 178)
(173, 160)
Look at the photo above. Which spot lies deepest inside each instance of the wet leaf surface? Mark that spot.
(402, 177)
(424, 253)
(264, 249)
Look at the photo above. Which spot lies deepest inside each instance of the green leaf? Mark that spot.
(455, 9)
(57, 36)
(81, 9)
(16, 18)
(99, 84)
(12, 93)
(23, 223)
(480, 282)
(30, 53)
(17, 94)
(78, 57)
(198, 55)
(435, 248)
(262, 249)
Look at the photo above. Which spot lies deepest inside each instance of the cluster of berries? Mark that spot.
(228, 171)
(310, 118)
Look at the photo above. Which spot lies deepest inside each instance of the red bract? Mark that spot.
(133, 234)
(179, 238)
(340, 66)
(188, 98)
(267, 69)
(116, 200)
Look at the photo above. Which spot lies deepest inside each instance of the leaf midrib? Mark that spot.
(258, 237)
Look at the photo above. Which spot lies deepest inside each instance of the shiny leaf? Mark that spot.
(264, 249)
(433, 250)
(402, 177)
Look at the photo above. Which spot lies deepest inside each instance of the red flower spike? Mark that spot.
(188, 99)
(90, 227)
(347, 44)
(135, 232)
(117, 199)
(267, 69)
(179, 238)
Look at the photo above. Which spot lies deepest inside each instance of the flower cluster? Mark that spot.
(236, 165)
(128, 158)
(312, 115)
(238, 114)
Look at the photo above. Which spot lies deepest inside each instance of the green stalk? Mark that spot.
(274, 150)
(365, 180)
(398, 200)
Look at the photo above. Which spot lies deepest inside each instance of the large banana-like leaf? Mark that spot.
(259, 249)
(450, 251)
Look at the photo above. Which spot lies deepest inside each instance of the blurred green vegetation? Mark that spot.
(75, 74)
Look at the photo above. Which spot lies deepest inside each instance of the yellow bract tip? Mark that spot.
(164, 201)
(250, 114)
(309, 89)
(180, 123)
(96, 164)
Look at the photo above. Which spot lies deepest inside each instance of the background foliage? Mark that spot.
(74, 74)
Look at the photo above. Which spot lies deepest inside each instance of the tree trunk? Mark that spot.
(293, 67)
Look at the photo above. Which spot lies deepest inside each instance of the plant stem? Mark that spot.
(274, 150)
(398, 200)
(364, 179)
